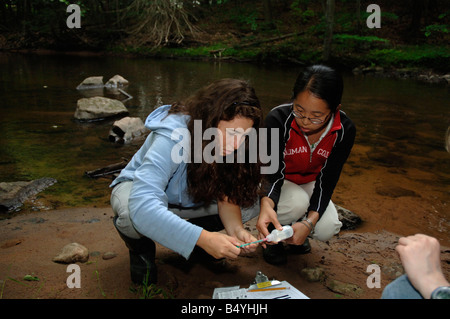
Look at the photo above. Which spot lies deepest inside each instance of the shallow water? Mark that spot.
(401, 123)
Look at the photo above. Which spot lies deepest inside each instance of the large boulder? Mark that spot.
(98, 107)
(126, 129)
(92, 82)
(116, 81)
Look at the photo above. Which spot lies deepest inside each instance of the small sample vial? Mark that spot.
(279, 235)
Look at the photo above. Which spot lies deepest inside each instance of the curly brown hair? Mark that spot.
(237, 182)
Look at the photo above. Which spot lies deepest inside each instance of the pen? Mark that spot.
(267, 289)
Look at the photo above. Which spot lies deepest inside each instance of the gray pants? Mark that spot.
(119, 203)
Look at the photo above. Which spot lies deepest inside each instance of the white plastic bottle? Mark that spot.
(279, 235)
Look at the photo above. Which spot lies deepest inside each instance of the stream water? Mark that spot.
(400, 139)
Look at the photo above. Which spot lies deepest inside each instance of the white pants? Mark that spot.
(294, 203)
(119, 203)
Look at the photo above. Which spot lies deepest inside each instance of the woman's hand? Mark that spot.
(219, 245)
(301, 230)
(246, 237)
(230, 214)
(267, 216)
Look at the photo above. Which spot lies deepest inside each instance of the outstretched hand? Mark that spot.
(219, 245)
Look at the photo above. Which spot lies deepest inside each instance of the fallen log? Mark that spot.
(282, 37)
(106, 171)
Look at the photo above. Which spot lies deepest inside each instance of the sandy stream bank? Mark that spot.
(29, 242)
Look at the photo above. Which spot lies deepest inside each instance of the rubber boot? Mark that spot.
(304, 248)
(274, 254)
(142, 259)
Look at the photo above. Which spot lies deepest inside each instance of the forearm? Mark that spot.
(430, 282)
(230, 215)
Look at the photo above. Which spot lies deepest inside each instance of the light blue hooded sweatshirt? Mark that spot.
(159, 181)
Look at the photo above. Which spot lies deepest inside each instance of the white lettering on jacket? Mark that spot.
(323, 153)
(298, 150)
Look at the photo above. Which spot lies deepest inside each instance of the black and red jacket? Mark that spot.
(299, 165)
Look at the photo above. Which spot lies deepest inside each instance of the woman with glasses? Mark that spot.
(315, 140)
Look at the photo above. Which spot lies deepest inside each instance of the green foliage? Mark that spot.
(245, 17)
(240, 22)
(436, 28)
(359, 38)
(407, 56)
(302, 15)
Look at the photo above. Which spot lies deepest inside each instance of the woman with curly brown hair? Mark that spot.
(183, 203)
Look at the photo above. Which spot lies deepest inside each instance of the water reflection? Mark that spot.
(401, 124)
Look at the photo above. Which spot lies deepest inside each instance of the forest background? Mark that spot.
(412, 33)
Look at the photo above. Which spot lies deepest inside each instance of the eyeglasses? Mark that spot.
(315, 121)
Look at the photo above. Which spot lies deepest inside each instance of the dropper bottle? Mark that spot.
(275, 236)
(279, 235)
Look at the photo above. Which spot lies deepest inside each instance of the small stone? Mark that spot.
(344, 288)
(313, 274)
(109, 255)
(72, 253)
(11, 243)
(348, 219)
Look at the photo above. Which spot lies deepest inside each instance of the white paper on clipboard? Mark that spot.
(284, 290)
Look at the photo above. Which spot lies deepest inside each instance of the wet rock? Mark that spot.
(313, 274)
(11, 243)
(344, 288)
(447, 78)
(395, 191)
(14, 194)
(127, 129)
(72, 253)
(93, 82)
(116, 81)
(393, 270)
(96, 108)
(386, 159)
(348, 219)
(35, 220)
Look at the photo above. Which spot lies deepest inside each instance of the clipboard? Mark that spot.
(279, 290)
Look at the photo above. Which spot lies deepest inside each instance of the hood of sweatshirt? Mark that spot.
(169, 125)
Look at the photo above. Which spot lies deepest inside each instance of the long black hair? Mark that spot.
(323, 82)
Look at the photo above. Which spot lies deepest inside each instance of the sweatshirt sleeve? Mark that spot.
(148, 201)
(273, 182)
(329, 175)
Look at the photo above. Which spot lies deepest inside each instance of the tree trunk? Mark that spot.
(268, 12)
(329, 21)
(358, 17)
